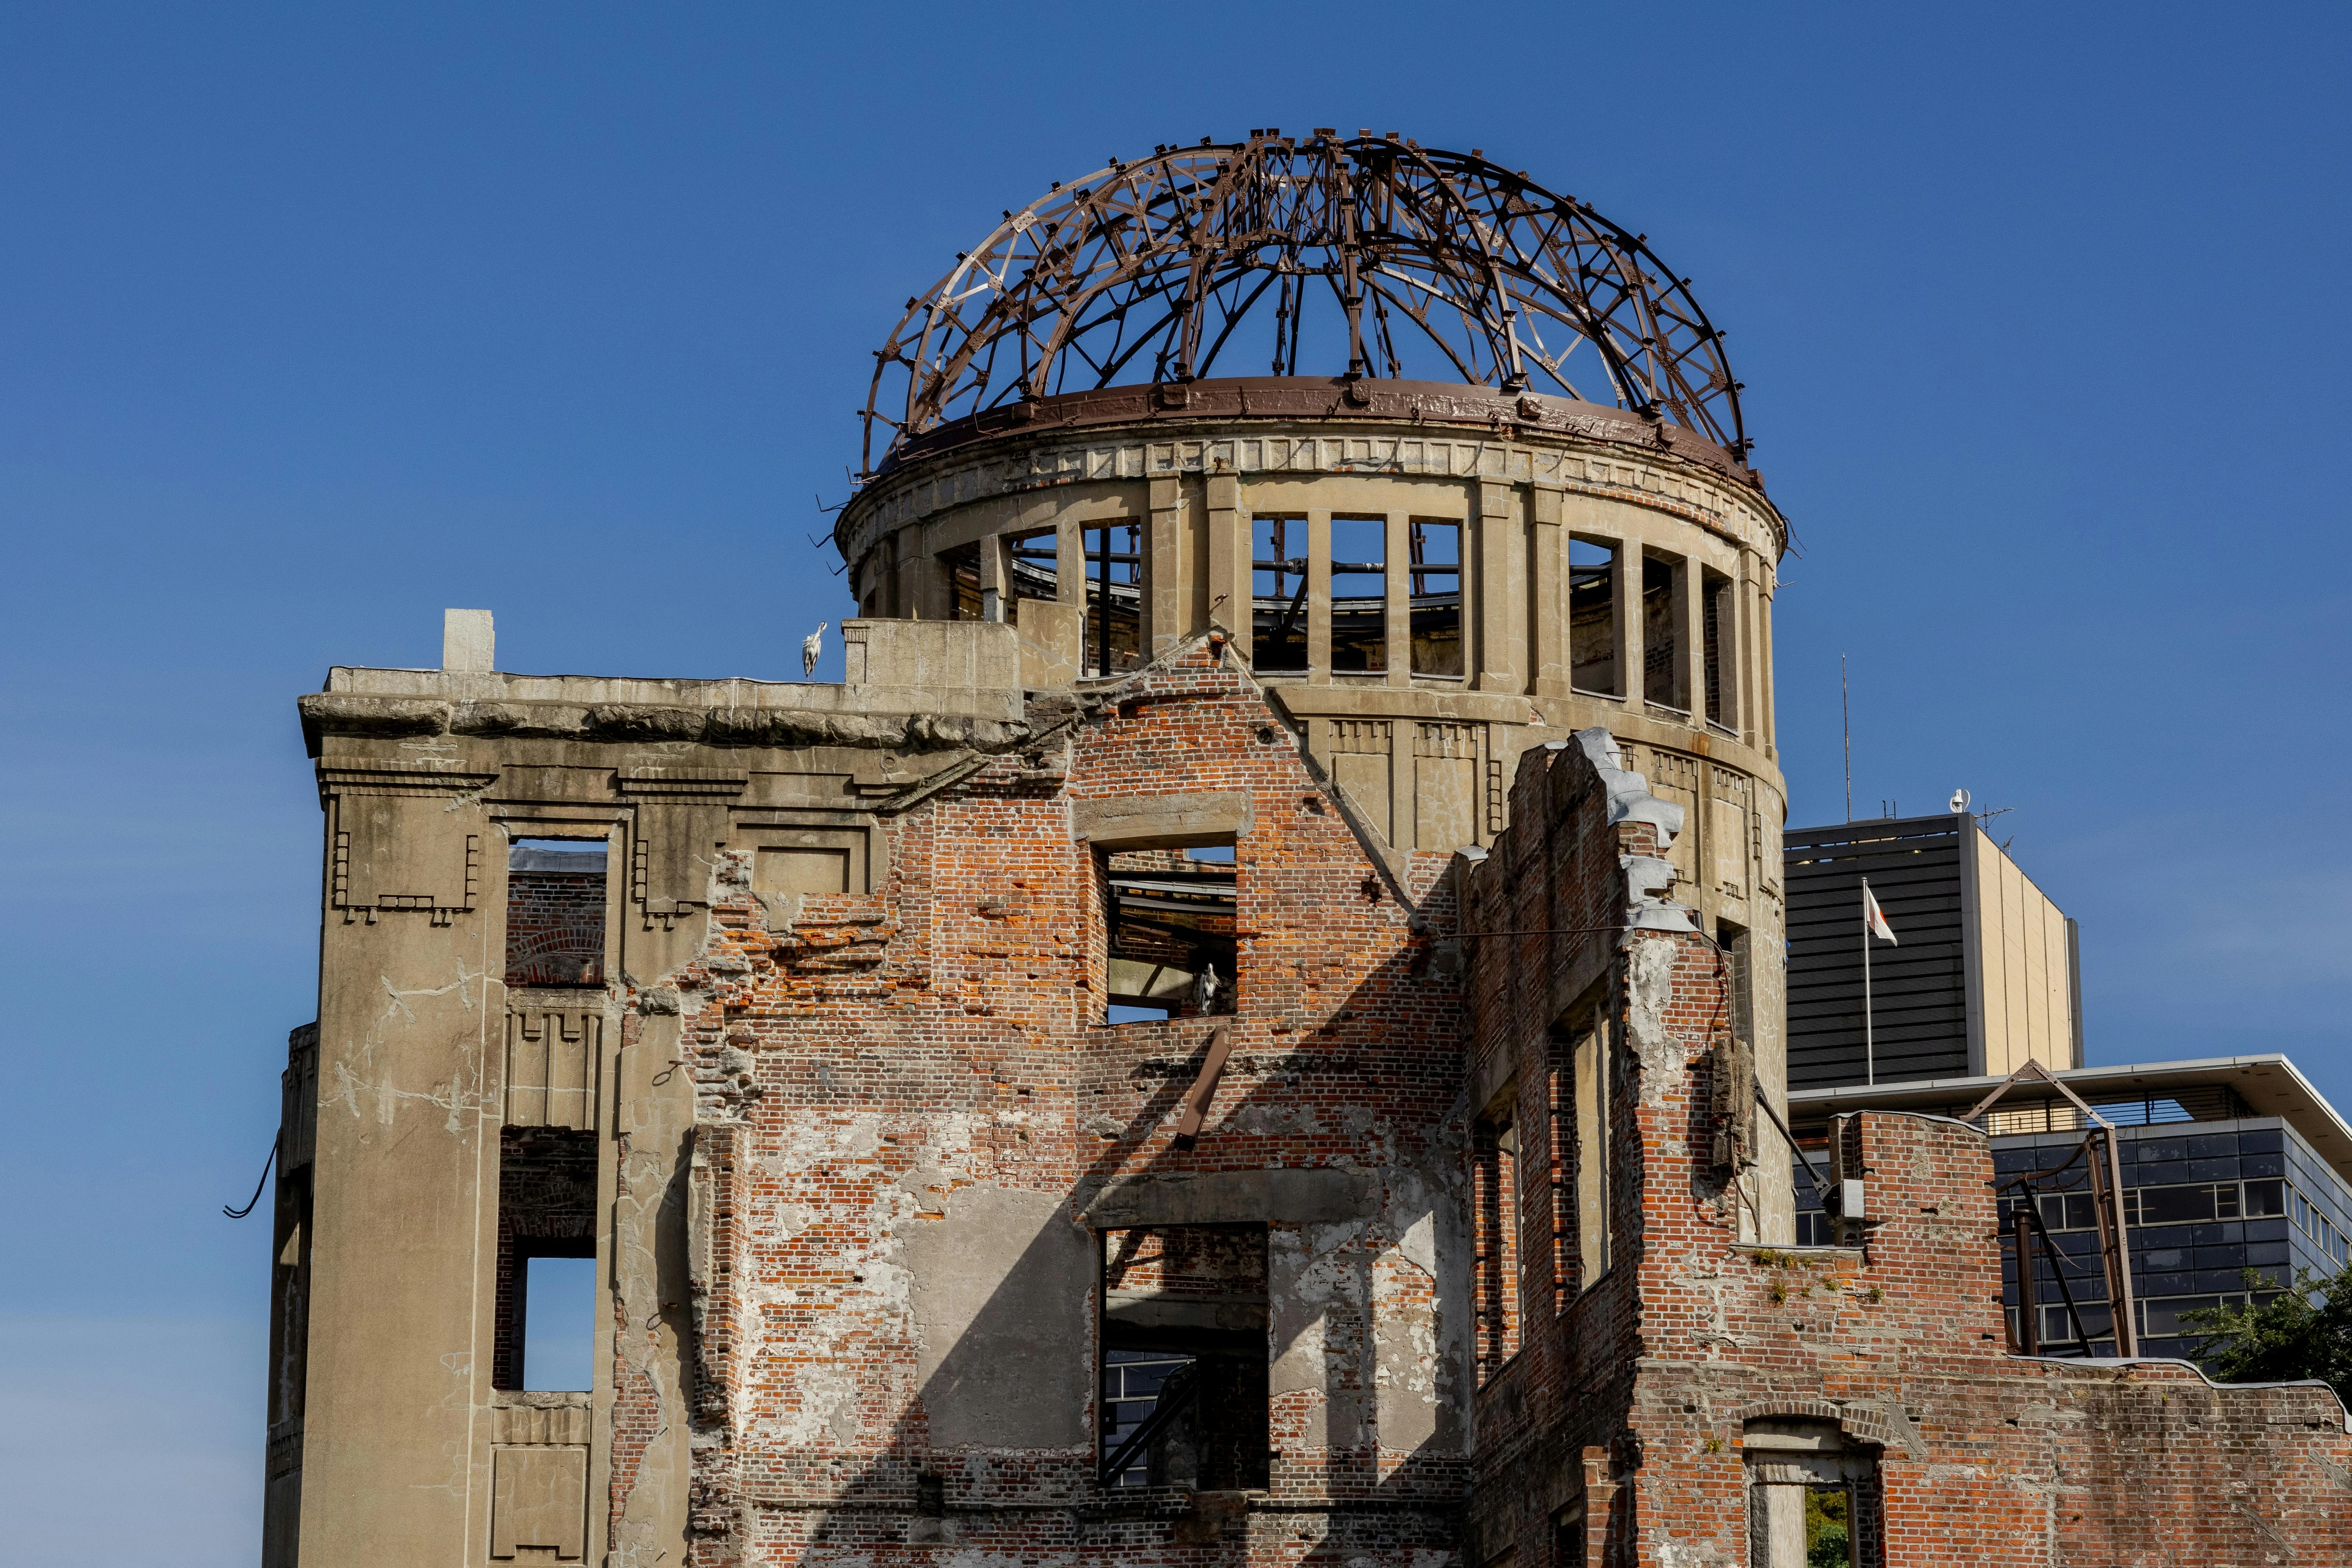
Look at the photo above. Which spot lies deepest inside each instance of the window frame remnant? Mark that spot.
(1356, 647)
(1495, 1247)
(1434, 598)
(1788, 1464)
(1210, 1422)
(1162, 923)
(1593, 614)
(1280, 612)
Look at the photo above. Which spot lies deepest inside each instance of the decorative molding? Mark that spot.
(397, 776)
(554, 1059)
(442, 911)
(700, 784)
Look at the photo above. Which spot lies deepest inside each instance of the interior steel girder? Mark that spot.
(1167, 256)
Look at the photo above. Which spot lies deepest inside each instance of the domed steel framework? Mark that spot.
(1145, 272)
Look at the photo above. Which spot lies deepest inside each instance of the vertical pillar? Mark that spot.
(1404, 738)
(1396, 616)
(1070, 563)
(1500, 590)
(1770, 727)
(1229, 557)
(1625, 599)
(1691, 631)
(1318, 598)
(1163, 570)
(993, 573)
(1547, 637)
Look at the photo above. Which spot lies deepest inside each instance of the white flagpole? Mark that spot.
(1869, 1041)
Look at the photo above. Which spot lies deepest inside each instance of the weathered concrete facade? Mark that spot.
(1406, 752)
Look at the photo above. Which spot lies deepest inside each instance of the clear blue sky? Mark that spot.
(315, 320)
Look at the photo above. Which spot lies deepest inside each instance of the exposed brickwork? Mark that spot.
(1632, 1404)
(555, 928)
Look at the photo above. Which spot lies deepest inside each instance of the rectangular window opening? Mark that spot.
(1496, 1249)
(1278, 593)
(1359, 587)
(1185, 1389)
(555, 911)
(1172, 950)
(962, 569)
(1593, 618)
(1715, 626)
(1661, 667)
(545, 1317)
(1032, 571)
(1433, 591)
(1815, 1500)
(1114, 597)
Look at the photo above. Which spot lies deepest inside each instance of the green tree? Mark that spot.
(2305, 1331)
(1828, 1530)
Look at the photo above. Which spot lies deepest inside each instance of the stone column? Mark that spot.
(1625, 597)
(1163, 569)
(1547, 638)
(1771, 723)
(1229, 568)
(1396, 611)
(1500, 589)
(993, 573)
(1070, 563)
(1318, 598)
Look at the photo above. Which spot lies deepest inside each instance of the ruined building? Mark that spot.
(1249, 1027)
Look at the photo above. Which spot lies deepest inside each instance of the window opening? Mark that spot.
(1033, 571)
(547, 1210)
(1185, 1389)
(1732, 942)
(555, 911)
(1589, 1060)
(1172, 950)
(1114, 597)
(1497, 1254)
(1433, 591)
(559, 1324)
(1359, 586)
(1715, 621)
(1660, 669)
(965, 602)
(1593, 618)
(1278, 593)
(1815, 1499)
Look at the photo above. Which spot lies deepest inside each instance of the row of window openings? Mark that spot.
(2192, 1202)
(1280, 565)
(1575, 1164)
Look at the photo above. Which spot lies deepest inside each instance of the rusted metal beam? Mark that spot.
(1204, 1088)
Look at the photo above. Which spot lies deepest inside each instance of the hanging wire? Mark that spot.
(240, 1214)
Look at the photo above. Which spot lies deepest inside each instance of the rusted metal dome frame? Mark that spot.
(1166, 256)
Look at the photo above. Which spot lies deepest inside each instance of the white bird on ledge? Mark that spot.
(811, 649)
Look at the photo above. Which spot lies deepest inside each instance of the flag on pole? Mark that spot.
(1874, 919)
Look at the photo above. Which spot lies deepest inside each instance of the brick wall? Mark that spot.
(1631, 1405)
(555, 927)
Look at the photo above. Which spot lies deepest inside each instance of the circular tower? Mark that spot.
(1455, 462)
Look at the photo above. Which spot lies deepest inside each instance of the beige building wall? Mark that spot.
(2020, 966)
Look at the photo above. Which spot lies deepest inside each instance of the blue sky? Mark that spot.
(316, 320)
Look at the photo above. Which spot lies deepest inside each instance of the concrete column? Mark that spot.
(1625, 599)
(1547, 637)
(1318, 598)
(1396, 613)
(1501, 591)
(1163, 570)
(1229, 569)
(1069, 562)
(993, 570)
(1771, 723)
(1690, 627)
(1402, 736)
(1750, 728)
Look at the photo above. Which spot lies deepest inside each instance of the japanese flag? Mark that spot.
(1874, 919)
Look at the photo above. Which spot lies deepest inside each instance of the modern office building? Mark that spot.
(1982, 976)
